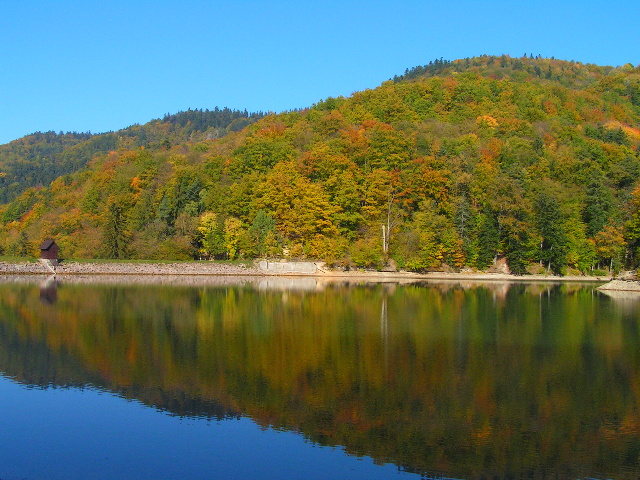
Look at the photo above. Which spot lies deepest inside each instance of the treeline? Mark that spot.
(570, 74)
(460, 170)
(435, 67)
(202, 120)
(41, 157)
(38, 159)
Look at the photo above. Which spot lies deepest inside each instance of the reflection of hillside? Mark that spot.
(32, 362)
(460, 380)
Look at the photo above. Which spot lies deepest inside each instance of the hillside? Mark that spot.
(451, 165)
(38, 159)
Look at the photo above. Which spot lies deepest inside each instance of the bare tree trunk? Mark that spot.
(384, 240)
(386, 229)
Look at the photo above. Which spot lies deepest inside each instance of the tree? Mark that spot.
(115, 235)
(380, 205)
(262, 226)
(345, 193)
(487, 240)
(181, 194)
(610, 245)
(430, 241)
(235, 237)
(260, 153)
(597, 207)
(519, 243)
(211, 236)
(300, 208)
(23, 246)
(632, 227)
(550, 220)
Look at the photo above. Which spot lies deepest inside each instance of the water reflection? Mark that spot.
(49, 290)
(470, 380)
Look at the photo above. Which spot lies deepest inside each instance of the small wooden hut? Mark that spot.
(49, 251)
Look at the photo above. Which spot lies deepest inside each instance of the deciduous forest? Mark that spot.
(452, 165)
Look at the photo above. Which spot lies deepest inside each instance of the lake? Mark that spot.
(166, 378)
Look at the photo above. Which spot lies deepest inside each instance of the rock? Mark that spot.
(390, 266)
(500, 266)
(629, 275)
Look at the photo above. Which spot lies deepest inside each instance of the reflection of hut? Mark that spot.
(49, 291)
(49, 251)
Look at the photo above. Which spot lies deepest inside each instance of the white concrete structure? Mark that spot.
(287, 267)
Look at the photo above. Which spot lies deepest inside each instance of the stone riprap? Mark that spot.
(109, 268)
(621, 286)
(271, 269)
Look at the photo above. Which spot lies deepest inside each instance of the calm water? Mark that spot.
(293, 379)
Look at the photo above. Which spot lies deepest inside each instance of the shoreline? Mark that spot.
(219, 269)
(629, 286)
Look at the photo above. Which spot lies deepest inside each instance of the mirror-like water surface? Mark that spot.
(297, 379)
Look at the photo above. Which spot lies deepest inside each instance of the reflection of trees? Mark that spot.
(532, 381)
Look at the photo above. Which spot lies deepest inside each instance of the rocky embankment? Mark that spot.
(111, 268)
(621, 286)
(625, 282)
(214, 269)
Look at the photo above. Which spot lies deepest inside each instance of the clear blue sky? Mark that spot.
(100, 66)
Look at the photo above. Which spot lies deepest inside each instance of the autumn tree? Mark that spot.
(300, 208)
(211, 236)
(610, 246)
(235, 238)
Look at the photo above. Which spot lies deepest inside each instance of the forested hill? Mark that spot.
(452, 165)
(39, 158)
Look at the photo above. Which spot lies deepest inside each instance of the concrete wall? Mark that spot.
(287, 267)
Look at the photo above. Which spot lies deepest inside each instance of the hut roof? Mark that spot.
(47, 244)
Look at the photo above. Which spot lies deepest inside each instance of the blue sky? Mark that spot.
(100, 66)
